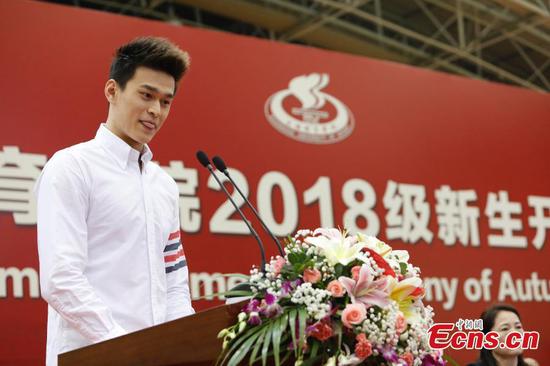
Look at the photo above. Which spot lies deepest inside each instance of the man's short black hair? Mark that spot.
(152, 52)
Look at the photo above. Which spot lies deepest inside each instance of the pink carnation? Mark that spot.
(408, 358)
(320, 330)
(361, 337)
(336, 288)
(363, 348)
(400, 323)
(312, 275)
(278, 265)
(353, 314)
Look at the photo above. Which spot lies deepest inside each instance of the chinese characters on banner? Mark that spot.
(407, 217)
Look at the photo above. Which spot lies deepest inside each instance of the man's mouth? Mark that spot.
(148, 124)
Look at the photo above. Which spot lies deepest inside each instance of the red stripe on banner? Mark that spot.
(174, 235)
(173, 257)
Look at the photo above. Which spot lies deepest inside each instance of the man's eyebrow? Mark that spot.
(156, 90)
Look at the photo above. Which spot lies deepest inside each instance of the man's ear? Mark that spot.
(111, 90)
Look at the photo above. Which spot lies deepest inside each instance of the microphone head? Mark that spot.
(219, 163)
(203, 158)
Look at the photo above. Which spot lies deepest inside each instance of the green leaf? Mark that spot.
(292, 322)
(239, 340)
(403, 268)
(312, 361)
(338, 331)
(314, 349)
(288, 271)
(257, 346)
(265, 348)
(302, 317)
(338, 270)
(280, 328)
(276, 338)
(240, 275)
(285, 358)
(242, 351)
(293, 258)
(233, 293)
(284, 324)
(226, 294)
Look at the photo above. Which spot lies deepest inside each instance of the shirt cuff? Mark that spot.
(117, 331)
(180, 314)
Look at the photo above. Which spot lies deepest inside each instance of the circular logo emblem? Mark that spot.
(307, 114)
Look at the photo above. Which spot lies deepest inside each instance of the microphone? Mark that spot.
(220, 165)
(203, 159)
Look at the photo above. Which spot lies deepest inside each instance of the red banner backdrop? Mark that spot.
(453, 170)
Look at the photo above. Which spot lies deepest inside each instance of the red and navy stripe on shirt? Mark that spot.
(174, 257)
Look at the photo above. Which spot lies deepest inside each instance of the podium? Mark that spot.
(191, 340)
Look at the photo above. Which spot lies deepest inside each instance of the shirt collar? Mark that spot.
(123, 153)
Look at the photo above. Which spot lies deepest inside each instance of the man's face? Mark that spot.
(139, 111)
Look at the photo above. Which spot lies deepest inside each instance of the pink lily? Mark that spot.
(366, 290)
(330, 233)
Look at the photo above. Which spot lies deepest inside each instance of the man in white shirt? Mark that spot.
(111, 259)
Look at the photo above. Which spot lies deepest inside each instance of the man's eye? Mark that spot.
(166, 102)
(146, 95)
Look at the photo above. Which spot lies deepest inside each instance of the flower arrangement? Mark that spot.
(333, 299)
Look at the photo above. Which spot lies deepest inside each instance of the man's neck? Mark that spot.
(133, 144)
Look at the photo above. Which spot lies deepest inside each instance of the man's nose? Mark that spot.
(154, 108)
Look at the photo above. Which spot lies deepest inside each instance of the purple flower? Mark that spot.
(389, 354)
(289, 286)
(252, 306)
(254, 318)
(286, 288)
(429, 360)
(269, 306)
(273, 311)
(270, 299)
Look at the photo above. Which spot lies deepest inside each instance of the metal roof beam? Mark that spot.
(540, 69)
(278, 21)
(419, 37)
(318, 21)
(531, 64)
(478, 44)
(143, 10)
(540, 9)
(502, 16)
(495, 21)
(460, 24)
(441, 28)
(377, 37)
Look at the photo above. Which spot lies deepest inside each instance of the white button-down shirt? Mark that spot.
(111, 259)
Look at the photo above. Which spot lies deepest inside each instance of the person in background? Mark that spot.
(111, 258)
(503, 319)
